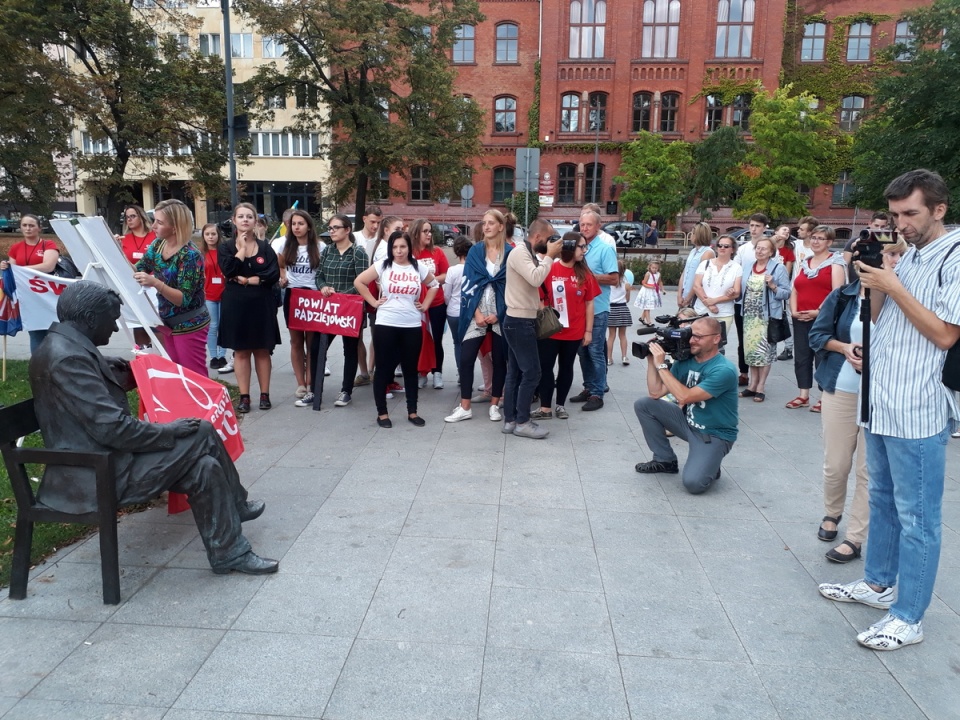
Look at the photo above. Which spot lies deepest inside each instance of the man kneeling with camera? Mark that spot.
(705, 387)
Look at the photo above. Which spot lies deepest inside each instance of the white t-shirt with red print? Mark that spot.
(400, 285)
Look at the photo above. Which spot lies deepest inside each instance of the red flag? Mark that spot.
(169, 391)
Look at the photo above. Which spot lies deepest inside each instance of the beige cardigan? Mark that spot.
(524, 277)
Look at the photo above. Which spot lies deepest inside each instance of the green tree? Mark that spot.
(656, 175)
(793, 145)
(381, 76)
(916, 112)
(716, 162)
(526, 206)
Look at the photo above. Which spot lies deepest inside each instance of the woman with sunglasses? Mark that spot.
(569, 289)
(700, 237)
(716, 284)
(819, 274)
(435, 260)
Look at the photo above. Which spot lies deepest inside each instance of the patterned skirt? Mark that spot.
(619, 316)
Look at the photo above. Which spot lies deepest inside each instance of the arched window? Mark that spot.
(505, 114)
(661, 28)
(598, 111)
(593, 191)
(714, 115)
(507, 43)
(734, 28)
(566, 183)
(851, 111)
(502, 184)
(420, 184)
(669, 109)
(741, 111)
(463, 43)
(570, 113)
(814, 42)
(587, 28)
(641, 111)
(858, 41)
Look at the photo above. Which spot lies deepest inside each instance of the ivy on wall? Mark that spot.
(727, 89)
(533, 114)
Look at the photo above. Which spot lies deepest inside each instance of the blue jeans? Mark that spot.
(593, 357)
(523, 368)
(906, 497)
(214, 350)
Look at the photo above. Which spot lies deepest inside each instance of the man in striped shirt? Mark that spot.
(916, 308)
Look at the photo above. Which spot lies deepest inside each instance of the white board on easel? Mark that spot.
(100, 260)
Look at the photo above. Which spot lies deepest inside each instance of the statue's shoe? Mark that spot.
(252, 509)
(251, 564)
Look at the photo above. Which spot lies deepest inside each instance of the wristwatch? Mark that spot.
(663, 366)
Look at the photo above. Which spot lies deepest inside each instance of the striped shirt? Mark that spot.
(907, 398)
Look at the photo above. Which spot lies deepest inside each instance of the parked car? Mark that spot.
(561, 228)
(741, 235)
(444, 233)
(59, 215)
(627, 234)
(9, 225)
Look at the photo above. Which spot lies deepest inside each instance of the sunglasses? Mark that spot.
(728, 247)
(339, 227)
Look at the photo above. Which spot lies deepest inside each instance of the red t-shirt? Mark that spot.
(570, 300)
(811, 292)
(135, 248)
(787, 255)
(213, 280)
(25, 255)
(436, 262)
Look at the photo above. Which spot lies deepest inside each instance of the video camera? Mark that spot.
(674, 338)
(870, 246)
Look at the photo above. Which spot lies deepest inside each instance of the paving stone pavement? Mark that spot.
(454, 572)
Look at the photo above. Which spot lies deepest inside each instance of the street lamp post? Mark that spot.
(228, 71)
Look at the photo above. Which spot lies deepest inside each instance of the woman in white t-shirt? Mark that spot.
(299, 260)
(452, 284)
(717, 282)
(397, 336)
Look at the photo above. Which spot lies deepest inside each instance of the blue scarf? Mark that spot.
(475, 280)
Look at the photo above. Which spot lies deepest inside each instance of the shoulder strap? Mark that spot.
(940, 270)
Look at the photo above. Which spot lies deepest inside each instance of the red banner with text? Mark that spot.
(339, 314)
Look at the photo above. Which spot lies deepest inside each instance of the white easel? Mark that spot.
(94, 250)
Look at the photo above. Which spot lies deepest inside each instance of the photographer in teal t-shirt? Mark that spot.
(705, 386)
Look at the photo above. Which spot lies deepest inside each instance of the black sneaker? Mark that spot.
(243, 406)
(582, 396)
(787, 354)
(592, 403)
(657, 466)
(265, 403)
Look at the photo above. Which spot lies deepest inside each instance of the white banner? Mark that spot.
(37, 294)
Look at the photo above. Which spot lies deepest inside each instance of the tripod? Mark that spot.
(865, 354)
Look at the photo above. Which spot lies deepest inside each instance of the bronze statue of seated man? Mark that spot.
(81, 404)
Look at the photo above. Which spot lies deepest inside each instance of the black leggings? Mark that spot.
(469, 349)
(392, 346)
(804, 359)
(438, 321)
(738, 321)
(550, 350)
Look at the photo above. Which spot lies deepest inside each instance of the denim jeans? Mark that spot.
(214, 350)
(454, 324)
(906, 497)
(593, 357)
(523, 368)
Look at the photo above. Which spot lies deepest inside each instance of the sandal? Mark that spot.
(759, 397)
(748, 393)
(839, 557)
(816, 408)
(798, 402)
(828, 535)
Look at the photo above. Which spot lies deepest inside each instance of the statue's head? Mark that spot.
(91, 308)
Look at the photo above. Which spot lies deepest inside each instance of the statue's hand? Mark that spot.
(185, 426)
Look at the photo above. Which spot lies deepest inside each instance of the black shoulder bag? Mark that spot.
(951, 364)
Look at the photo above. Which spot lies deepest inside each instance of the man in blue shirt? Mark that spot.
(602, 261)
(706, 413)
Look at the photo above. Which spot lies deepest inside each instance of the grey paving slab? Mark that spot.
(469, 521)
(674, 689)
(282, 480)
(359, 554)
(544, 526)
(530, 491)
(442, 560)
(213, 715)
(267, 673)
(639, 533)
(637, 496)
(154, 548)
(543, 685)
(557, 567)
(132, 664)
(392, 680)
(28, 709)
(23, 664)
(351, 515)
(6, 703)
(464, 487)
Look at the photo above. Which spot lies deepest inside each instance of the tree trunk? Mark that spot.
(361, 195)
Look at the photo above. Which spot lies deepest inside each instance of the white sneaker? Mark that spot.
(438, 381)
(226, 369)
(891, 633)
(326, 371)
(305, 401)
(495, 413)
(858, 592)
(956, 434)
(343, 399)
(459, 414)
(301, 391)
(422, 381)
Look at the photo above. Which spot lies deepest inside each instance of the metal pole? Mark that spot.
(526, 191)
(228, 71)
(596, 150)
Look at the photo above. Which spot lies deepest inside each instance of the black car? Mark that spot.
(626, 233)
(444, 233)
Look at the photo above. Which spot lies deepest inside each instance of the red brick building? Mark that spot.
(680, 68)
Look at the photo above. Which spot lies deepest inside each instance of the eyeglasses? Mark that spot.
(724, 247)
(339, 227)
(582, 246)
(694, 336)
(426, 230)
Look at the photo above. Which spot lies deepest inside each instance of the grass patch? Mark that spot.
(47, 537)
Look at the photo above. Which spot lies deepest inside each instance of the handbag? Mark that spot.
(66, 268)
(778, 329)
(548, 323)
(950, 376)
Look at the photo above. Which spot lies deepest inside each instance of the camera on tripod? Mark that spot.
(871, 245)
(674, 338)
